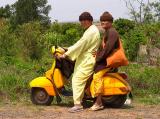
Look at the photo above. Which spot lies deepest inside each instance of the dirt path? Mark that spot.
(135, 111)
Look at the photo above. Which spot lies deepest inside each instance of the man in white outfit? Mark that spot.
(81, 52)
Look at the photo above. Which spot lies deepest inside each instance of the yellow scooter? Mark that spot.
(43, 89)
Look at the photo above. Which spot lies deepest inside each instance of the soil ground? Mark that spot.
(29, 111)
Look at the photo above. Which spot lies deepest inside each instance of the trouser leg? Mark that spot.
(78, 85)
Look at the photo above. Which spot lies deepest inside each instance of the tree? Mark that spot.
(143, 11)
(156, 7)
(5, 12)
(31, 10)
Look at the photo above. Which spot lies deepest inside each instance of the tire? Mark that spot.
(40, 97)
(115, 101)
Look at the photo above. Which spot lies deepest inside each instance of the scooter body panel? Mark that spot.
(58, 78)
(114, 84)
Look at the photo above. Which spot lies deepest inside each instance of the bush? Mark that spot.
(132, 40)
(152, 31)
(72, 35)
(71, 32)
(123, 25)
(56, 28)
(50, 39)
(8, 41)
(29, 35)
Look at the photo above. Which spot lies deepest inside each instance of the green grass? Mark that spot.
(15, 78)
(150, 100)
(145, 82)
(16, 74)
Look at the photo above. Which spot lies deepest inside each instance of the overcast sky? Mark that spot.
(69, 10)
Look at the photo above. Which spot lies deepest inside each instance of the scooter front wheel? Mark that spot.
(40, 97)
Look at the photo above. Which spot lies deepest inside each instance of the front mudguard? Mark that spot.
(43, 82)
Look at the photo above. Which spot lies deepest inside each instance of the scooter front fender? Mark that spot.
(43, 82)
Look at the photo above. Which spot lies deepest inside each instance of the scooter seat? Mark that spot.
(123, 75)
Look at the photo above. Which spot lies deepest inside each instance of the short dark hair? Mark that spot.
(106, 16)
(85, 16)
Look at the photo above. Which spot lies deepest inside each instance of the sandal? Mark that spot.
(96, 107)
(75, 109)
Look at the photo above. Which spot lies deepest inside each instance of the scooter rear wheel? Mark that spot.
(115, 101)
(40, 97)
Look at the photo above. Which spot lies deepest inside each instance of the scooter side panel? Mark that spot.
(43, 82)
(113, 86)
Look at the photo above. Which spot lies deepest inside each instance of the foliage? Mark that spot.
(29, 35)
(156, 6)
(51, 39)
(25, 52)
(7, 44)
(142, 11)
(30, 10)
(152, 31)
(5, 12)
(132, 40)
(70, 32)
(124, 25)
(63, 27)
(15, 77)
(144, 80)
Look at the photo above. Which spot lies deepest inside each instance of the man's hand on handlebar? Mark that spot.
(60, 56)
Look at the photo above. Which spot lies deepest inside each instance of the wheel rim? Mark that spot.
(41, 96)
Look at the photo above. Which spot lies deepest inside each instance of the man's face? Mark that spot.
(106, 24)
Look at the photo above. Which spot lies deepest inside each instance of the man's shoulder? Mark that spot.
(112, 30)
(94, 29)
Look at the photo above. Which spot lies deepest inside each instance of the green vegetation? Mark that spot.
(25, 44)
(25, 54)
(145, 82)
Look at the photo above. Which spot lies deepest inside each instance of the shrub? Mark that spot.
(71, 32)
(123, 25)
(152, 31)
(8, 40)
(132, 40)
(29, 35)
(50, 39)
